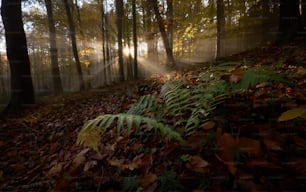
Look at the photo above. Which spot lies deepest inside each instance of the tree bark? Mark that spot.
(119, 12)
(289, 20)
(74, 45)
(135, 64)
(220, 26)
(303, 16)
(103, 41)
(170, 22)
(169, 51)
(22, 91)
(57, 83)
(265, 21)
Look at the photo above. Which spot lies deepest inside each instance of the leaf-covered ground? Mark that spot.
(243, 147)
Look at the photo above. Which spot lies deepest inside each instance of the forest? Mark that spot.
(152, 95)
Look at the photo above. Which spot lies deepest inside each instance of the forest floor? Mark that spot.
(243, 147)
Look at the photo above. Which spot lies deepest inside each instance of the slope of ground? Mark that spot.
(244, 147)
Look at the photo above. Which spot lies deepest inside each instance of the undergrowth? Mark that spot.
(191, 106)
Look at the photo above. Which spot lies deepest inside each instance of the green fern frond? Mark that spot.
(145, 103)
(261, 74)
(178, 101)
(215, 72)
(170, 86)
(90, 134)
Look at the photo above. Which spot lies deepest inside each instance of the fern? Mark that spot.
(169, 182)
(145, 103)
(255, 75)
(215, 72)
(178, 101)
(89, 135)
(170, 86)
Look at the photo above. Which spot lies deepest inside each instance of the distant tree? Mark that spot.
(74, 44)
(289, 20)
(119, 12)
(57, 83)
(161, 25)
(22, 91)
(135, 67)
(170, 22)
(220, 25)
(303, 19)
(103, 34)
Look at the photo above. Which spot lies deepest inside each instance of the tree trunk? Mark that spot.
(149, 32)
(170, 22)
(103, 41)
(74, 45)
(220, 26)
(265, 21)
(119, 12)
(107, 47)
(57, 83)
(22, 91)
(303, 16)
(135, 64)
(170, 58)
(289, 19)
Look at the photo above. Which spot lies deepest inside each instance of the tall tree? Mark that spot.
(57, 83)
(119, 12)
(265, 19)
(220, 25)
(170, 22)
(103, 40)
(22, 91)
(289, 20)
(135, 67)
(161, 25)
(74, 44)
(303, 16)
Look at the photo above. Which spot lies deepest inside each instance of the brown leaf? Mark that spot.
(197, 164)
(62, 185)
(116, 162)
(90, 164)
(148, 179)
(272, 145)
(254, 163)
(251, 146)
(235, 75)
(299, 141)
(1, 176)
(208, 125)
(80, 158)
(55, 170)
(227, 144)
(297, 166)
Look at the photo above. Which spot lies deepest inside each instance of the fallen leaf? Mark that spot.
(90, 164)
(1, 176)
(255, 163)
(80, 158)
(227, 144)
(292, 114)
(250, 146)
(55, 170)
(62, 185)
(148, 179)
(272, 144)
(299, 141)
(116, 162)
(208, 125)
(197, 164)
